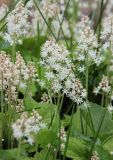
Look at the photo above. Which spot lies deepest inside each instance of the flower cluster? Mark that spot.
(20, 105)
(86, 7)
(74, 90)
(95, 156)
(53, 54)
(110, 108)
(55, 59)
(108, 10)
(15, 76)
(59, 71)
(87, 43)
(107, 32)
(49, 9)
(104, 86)
(27, 125)
(53, 12)
(17, 24)
(45, 98)
(63, 136)
(3, 11)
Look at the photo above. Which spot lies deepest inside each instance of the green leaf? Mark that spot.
(109, 145)
(27, 50)
(46, 110)
(77, 128)
(103, 154)
(77, 149)
(66, 120)
(107, 124)
(32, 90)
(45, 137)
(95, 115)
(11, 154)
(45, 154)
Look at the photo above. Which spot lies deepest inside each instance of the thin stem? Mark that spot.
(9, 116)
(51, 102)
(98, 26)
(59, 121)
(19, 148)
(69, 108)
(91, 120)
(67, 5)
(81, 120)
(2, 111)
(109, 58)
(95, 139)
(87, 76)
(62, 33)
(45, 20)
(13, 52)
(49, 149)
(87, 81)
(68, 135)
(102, 102)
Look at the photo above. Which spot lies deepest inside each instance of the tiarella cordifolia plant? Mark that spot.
(14, 76)
(103, 86)
(95, 156)
(62, 135)
(3, 11)
(17, 24)
(107, 30)
(26, 126)
(50, 12)
(59, 72)
(87, 44)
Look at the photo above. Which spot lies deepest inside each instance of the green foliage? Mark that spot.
(103, 154)
(47, 111)
(46, 137)
(95, 115)
(77, 149)
(29, 52)
(11, 154)
(45, 154)
(108, 145)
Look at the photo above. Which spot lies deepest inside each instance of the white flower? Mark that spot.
(56, 63)
(103, 86)
(98, 60)
(106, 45)
(96, 90)
(81, 69)
(3, 11)
(107, 32)
(13, 77)
(17, 132)
(74, 90)
(110, 108)
(26, 126)
(81, 57)
(87, 42)
(22, 85)
(17, 24)
(30, 140)
(58, 69)
(49, 75)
